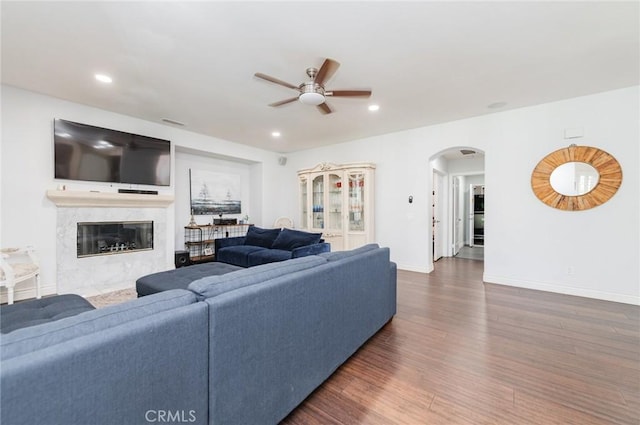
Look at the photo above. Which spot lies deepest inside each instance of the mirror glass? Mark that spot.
(574, 178)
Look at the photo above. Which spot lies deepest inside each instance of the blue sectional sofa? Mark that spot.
(244, 347)
(262, 246)
(116, 365)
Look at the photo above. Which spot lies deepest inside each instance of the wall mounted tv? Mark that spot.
(85, 152)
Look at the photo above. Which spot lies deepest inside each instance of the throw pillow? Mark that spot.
(290, 239)
(261, 237)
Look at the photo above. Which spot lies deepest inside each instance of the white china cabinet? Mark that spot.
(337, 200)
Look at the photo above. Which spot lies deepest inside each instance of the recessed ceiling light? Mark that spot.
(497, 105)
(102, 144)
(374, 108)
(275, 133)
(103, 78)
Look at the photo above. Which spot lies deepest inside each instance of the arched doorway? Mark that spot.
(457, 186)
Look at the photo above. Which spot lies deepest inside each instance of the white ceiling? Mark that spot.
(426, 62)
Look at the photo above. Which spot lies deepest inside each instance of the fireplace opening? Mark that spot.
(110, 237)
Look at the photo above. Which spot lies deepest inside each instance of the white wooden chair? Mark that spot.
(18, 265)
(283, 223)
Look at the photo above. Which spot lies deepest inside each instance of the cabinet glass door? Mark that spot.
(304, 201)
(317, 187)
(356, 202)
(334, 202)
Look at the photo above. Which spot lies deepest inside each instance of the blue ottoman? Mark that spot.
(180, 278)
(34, 312)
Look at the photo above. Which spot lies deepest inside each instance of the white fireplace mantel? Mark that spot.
(78, 199)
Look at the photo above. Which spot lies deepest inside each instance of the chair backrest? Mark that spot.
(16, 263)
(283, 223)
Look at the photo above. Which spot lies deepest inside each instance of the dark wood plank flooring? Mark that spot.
(460, 351)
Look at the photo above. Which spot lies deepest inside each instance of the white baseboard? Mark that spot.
(417, 269)
(560, 289)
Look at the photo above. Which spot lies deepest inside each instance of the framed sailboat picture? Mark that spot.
(214, 193)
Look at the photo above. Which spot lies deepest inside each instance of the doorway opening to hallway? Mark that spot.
(458, 208)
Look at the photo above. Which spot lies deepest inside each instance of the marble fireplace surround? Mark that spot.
(95, 275)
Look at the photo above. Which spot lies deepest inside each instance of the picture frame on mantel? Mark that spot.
(214, 193)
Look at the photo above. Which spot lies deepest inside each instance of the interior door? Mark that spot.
(458, 222)
(438, 231)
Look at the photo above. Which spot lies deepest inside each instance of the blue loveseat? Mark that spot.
(262, 246)
(244, 347)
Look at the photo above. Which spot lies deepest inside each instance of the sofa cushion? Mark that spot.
(33, 338)
(212, 286)
(268, 256)
(290, 239)
(48, 309)
(237, 255)
(180, 278)
(340, 255)
(257, 236)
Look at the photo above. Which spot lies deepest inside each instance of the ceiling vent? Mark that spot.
(467, 151)
(174, 122)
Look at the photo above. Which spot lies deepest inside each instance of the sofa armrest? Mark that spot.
(312, 249)
(392, 301)
(225, 242)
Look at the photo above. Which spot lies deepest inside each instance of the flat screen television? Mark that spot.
(88, 153)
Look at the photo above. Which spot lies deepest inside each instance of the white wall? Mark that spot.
(26, 171)
(467, 166)
(186, 161)
(527, 243)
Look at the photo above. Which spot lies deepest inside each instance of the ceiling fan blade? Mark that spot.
(283, 102)
(324, 108)
(349, 93)
(275, 80)
(328, 68)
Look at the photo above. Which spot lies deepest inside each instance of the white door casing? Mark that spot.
(438, 206)
(457, 219)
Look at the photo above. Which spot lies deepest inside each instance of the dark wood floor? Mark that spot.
(460, 351)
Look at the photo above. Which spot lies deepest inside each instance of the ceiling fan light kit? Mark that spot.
(314, 99)
(313, 92)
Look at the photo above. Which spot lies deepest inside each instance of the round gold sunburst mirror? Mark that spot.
(576, 178)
